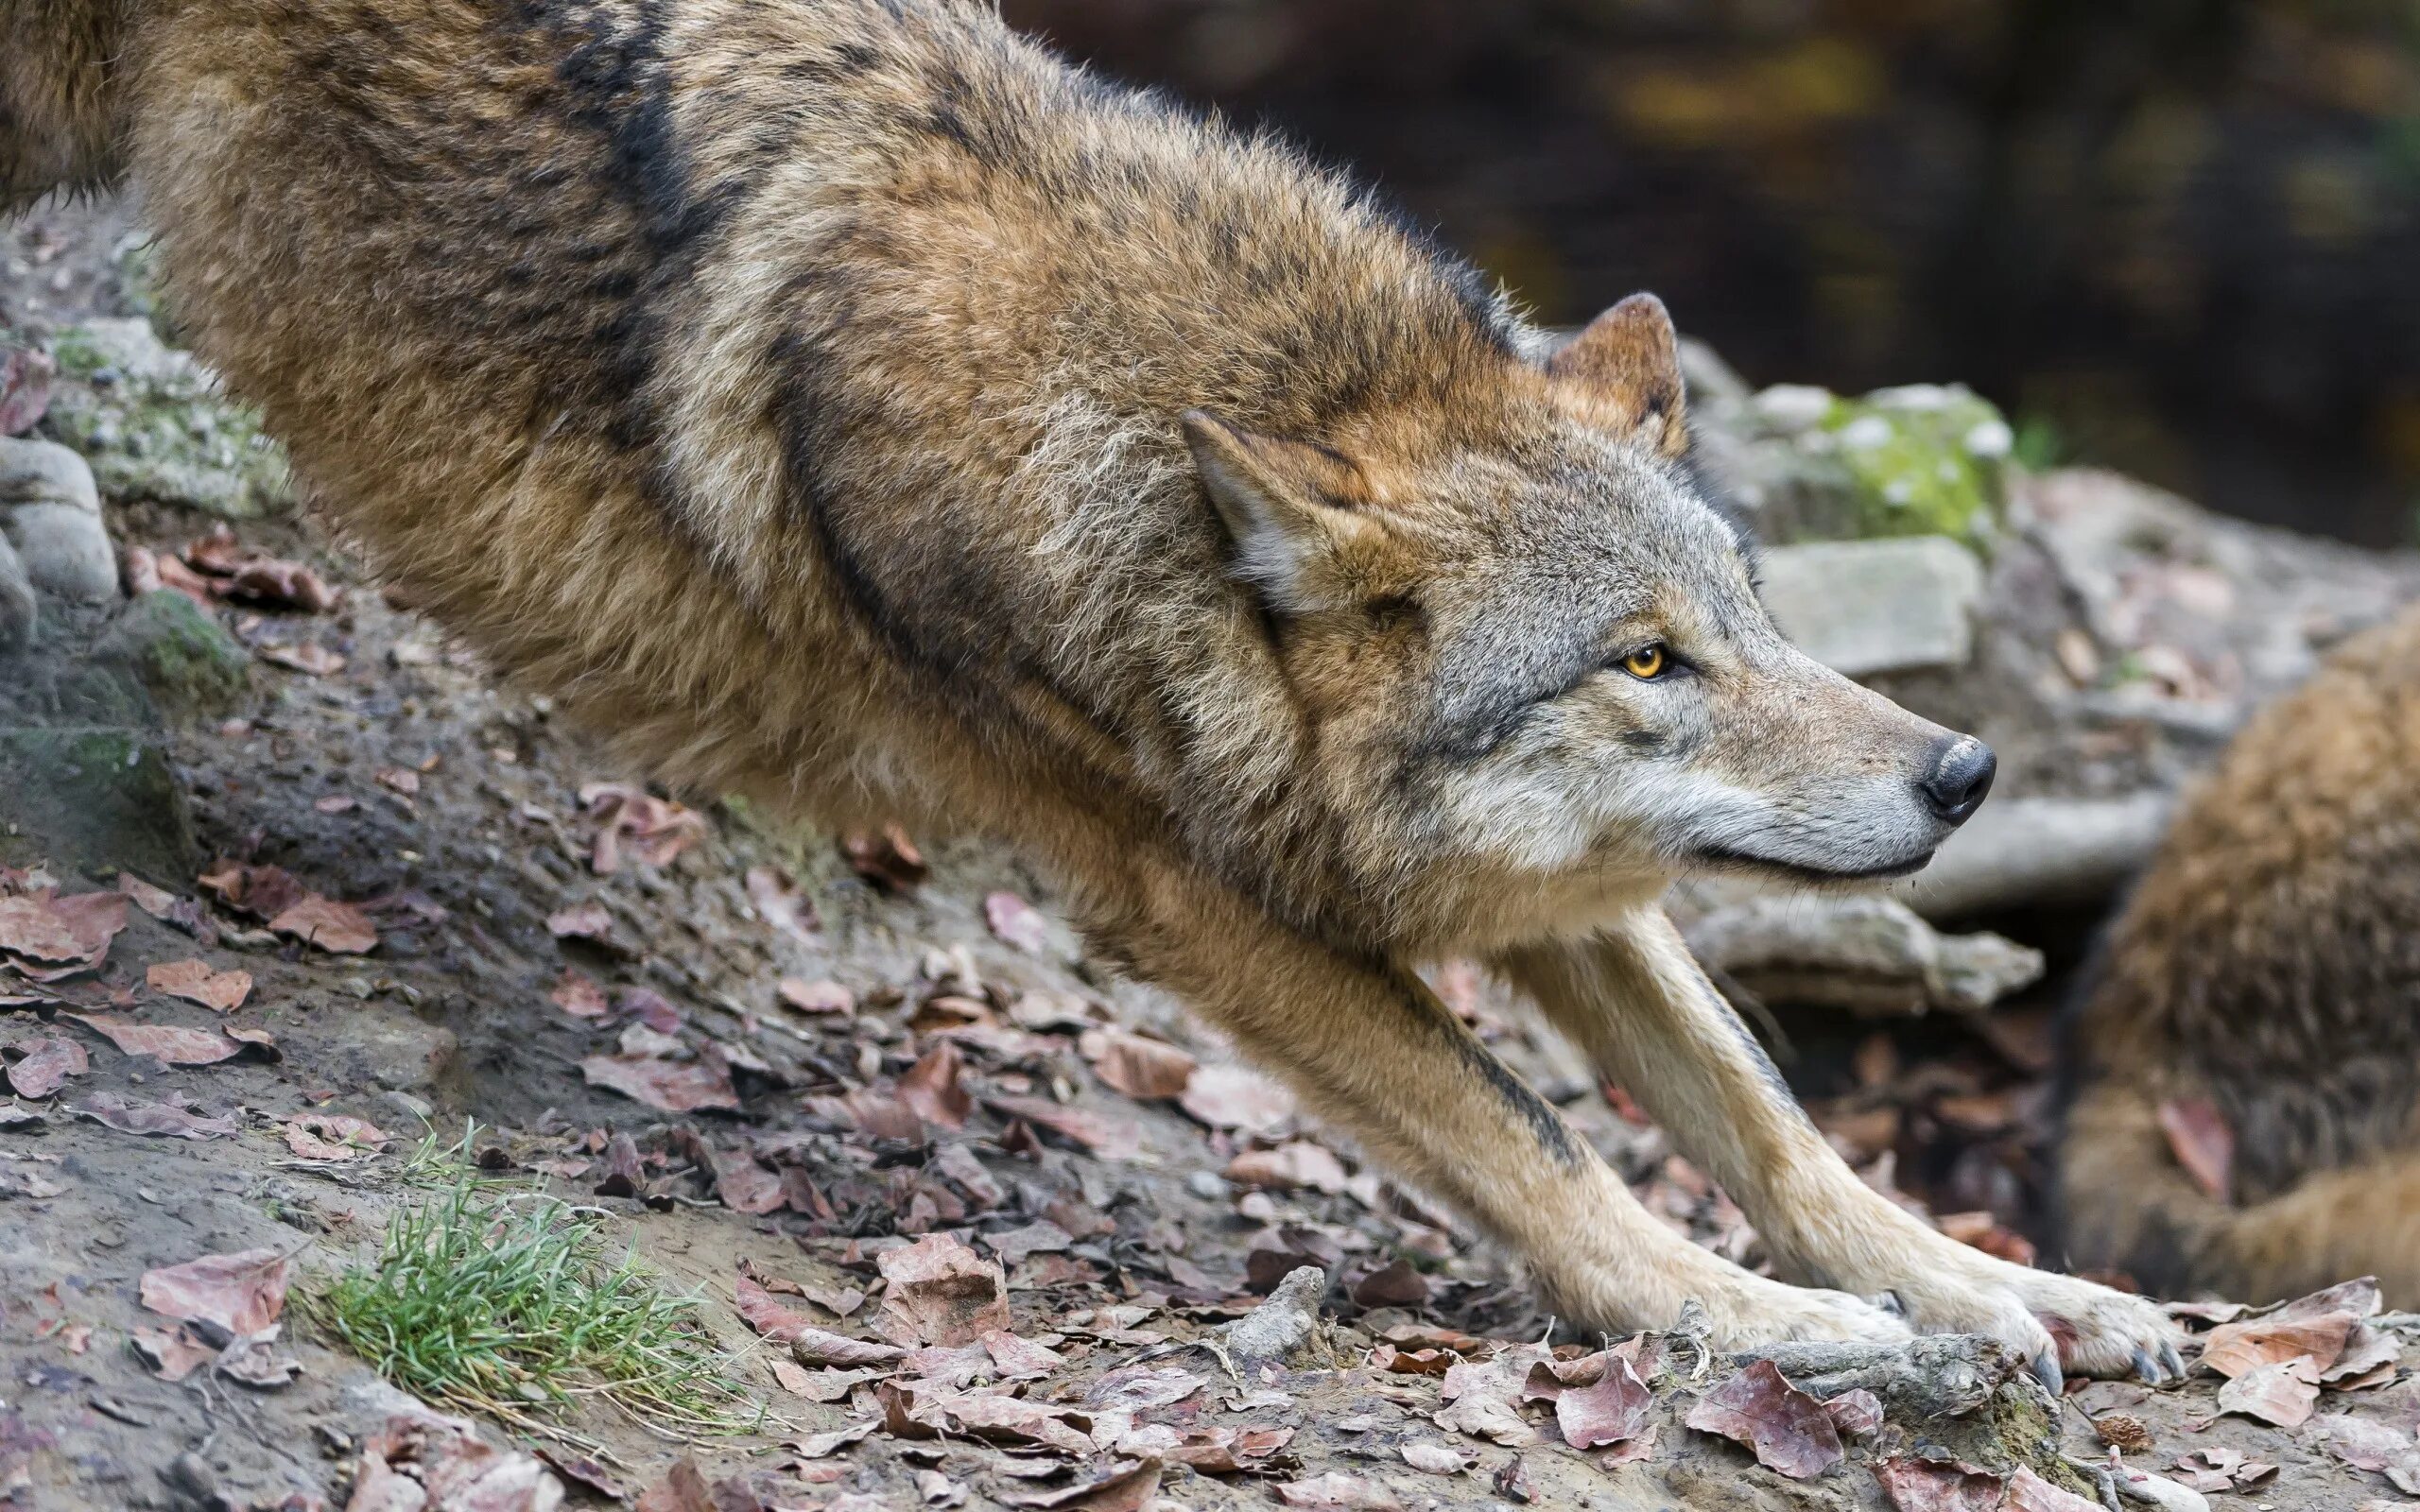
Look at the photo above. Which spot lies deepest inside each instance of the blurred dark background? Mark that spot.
(2180, 237)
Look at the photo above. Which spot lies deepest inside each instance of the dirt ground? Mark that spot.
(817, 1059)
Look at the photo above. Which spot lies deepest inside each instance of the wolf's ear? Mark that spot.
(1623, 372)
(1290, 506)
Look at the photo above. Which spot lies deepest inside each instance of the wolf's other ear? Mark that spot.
(1291, 508)
(1623, 372)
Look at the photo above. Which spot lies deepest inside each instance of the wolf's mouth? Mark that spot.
(1724, 856)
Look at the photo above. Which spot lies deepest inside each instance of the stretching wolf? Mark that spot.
(849, 403)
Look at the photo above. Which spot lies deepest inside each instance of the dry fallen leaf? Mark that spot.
(1482, 1397)
(577, 993)
(816, 997)
(1125, 1488)
(419, 1459)
(332, 1136)
(1234, 1097)
(781, 903)
(2281, 1392)
(1855, 1412)
(1016, 922)
(587, 920)
(172, 1354)
(673, 1086)
(195, 982)
(338, 928)
(52, 1059)
(1112, 1138)
(162, 1118)
(2202, 1142)
(1290, 1167)
(163, 1043)
(630, 819)
(1613, 1410)
(242, 1292)
(1789, 1430)
(2320, 1325)
(1348, 1493)
(886, 858)
(46, 938)
(2028, 1492)
(931, 1087)
(308, 657)
(1939, 1486)
(1139, 1067)
(2368, 1445)
(942, 1293)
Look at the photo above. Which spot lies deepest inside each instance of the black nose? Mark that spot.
(1962, 769)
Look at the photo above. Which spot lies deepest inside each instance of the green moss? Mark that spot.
(1921, 461)
(155, 426)
(181, 654)
(1925, 459)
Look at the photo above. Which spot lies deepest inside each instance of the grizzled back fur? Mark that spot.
(2265, 974)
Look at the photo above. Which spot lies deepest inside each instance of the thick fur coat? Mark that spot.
(847, 402)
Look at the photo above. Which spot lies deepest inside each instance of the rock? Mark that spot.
(34, 471)
(184, 659)
(1860, 952)
(51, 514)
(99, 796)
(18, 612)
(2032, 852)
(1283, 1326)
(1863, 607)
(154, 425)
(1807, 464)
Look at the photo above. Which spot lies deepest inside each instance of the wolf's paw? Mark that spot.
(2062, 1325)
(1744, 1318)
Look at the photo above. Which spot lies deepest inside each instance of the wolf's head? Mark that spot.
(1524, 642)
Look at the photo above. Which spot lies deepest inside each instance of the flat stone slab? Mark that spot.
(1863, 607)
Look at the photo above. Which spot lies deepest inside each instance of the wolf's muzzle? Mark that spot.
(1963, 770)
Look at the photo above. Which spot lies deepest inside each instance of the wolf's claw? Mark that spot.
(2046, 1369)
(2148, 1370)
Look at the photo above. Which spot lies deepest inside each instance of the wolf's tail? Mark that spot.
(61, 63)
(2127, 1205)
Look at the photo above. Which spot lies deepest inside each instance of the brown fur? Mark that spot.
(2269, 965)
(849, 403)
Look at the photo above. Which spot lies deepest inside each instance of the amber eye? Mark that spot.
(1647, 663)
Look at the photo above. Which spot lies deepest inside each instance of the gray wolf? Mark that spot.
(848, 402)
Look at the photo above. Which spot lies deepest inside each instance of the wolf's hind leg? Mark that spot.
(1637, 1003)
(1369, 1047)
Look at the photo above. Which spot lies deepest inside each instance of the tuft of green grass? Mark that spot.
(510, 1303)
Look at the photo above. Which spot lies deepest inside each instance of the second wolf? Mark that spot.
(847, 402)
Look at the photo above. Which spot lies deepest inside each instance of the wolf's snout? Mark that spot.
(1961, 775)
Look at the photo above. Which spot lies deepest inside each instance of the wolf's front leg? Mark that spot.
(1635, 1000)
(1369, 1047)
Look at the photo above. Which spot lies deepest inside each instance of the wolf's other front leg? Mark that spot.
(1637, 1003)
(1369, 1047)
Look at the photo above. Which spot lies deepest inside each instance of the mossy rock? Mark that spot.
(154, 425)
(96, 797)
(1921, 460)
(189, 664)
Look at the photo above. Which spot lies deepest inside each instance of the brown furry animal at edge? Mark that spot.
(2266, 975)
(848, 402)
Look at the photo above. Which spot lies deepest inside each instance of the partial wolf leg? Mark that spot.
(1370, 1048)
(1636, 1001)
